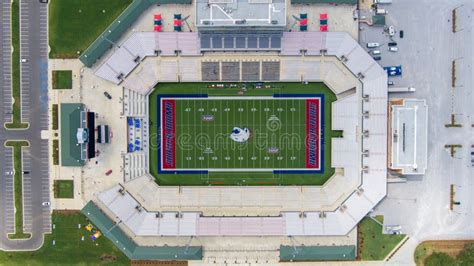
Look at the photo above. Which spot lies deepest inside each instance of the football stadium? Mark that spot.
(230, 131)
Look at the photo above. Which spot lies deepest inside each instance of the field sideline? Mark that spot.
(246, 178)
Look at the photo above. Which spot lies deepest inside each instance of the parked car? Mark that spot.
(393, 70)
(401, 34)
(46, 204)
(43, 1)
(373, 44)
(393, 49)
(108, 172)
(392, 44)
(24, 60)
(9, 172)
(390, 83)
(108, 95)
(377, 58)
(376, 52)
(391, 30)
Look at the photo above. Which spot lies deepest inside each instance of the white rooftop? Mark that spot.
(409, 135)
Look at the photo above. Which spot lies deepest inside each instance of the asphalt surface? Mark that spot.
(421, 205)
(36, 187)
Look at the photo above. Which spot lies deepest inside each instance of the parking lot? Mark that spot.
(7, 167)
(421, 205)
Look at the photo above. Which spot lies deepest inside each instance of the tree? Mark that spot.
(439, 259)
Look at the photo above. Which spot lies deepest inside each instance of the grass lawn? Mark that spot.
(449, 247)
(18, 188)
(16, 90)
(55, 152)
(55, 117)
(64, 189)
(373, 245)
(75, 24)
(62, 79)
(237, 178)
(69, 248)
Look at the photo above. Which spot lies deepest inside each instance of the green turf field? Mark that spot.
(275, 123)
(243, 177)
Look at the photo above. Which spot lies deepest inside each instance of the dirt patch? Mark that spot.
(450, 247)
(106, 258)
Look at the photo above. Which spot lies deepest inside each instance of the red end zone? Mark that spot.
(169, 134)
(313, 137)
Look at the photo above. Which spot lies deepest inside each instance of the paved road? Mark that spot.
(421, 205)
(33, 43)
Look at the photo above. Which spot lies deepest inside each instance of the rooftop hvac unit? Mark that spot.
(365, 153)
(365, 114)
(240, 21)
(365, 169)
(302, 215)
(365, 97)
(365, 133)
(274, 21)
(206, 22)
(344, 58)
(322, 215)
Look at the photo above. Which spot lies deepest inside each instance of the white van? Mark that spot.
(373, 44)
(376, 52)
(393, 49)
(381, 11)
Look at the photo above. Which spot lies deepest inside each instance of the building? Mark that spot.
(408, 138)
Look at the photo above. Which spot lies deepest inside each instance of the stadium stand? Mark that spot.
(168, 70)
(271, 70)
(135, 165)
(134, 252)
(143, 78)
(134, 104)
(250, 71)
(336, 2)
(210, 71)
(137, 134)
(189, 69)
(230, 71)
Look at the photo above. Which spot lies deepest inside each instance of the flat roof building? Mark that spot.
(240, 15)
(408, 136)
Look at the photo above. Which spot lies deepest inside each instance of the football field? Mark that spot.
(205, 135)
(277, 133)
